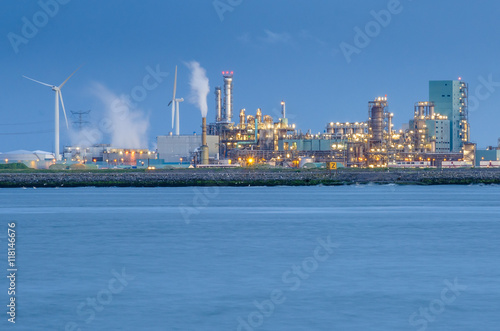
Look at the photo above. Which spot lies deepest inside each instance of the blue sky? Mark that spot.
(282, 49)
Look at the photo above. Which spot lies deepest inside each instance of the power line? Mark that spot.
(22, 133)
(25, 123)
(80, 122)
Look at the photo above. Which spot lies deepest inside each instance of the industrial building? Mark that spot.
(181, 149)
(438, 134)
(430, 131)
(106, 156)
(450, 100)
(32, 159)
(489, 157)
(253, 138)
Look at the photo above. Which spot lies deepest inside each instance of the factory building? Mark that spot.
(450, 100)
(430, 131)
(424, 141)
(105, 156)
(379, 132)
(32, 159)
(252, 137)
(320, 148)
(438, 132)
(85, 154)
(180, 149)
(128, 157)
(489, 157)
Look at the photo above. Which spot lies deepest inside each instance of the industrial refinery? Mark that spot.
(438, 135)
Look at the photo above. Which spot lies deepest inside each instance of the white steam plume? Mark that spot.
(86, 137)
(199, 87)
(126, 124)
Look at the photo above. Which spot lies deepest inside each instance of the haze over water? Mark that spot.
(255, 258)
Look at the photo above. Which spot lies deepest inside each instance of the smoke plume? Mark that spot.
(199, 87)
(86, 137)
(124, 122)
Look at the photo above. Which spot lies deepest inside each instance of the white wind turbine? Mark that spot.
(175, 106)
(57, 89)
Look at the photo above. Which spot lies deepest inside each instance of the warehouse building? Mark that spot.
(180, 149)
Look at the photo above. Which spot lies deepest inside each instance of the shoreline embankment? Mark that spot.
(247, 177)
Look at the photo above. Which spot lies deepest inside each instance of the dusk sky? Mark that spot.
(279, 50)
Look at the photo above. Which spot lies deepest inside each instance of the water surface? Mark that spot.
(214, 259)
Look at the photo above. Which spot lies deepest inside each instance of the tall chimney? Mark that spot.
(204, 146)
(228, 96)
(218, 104)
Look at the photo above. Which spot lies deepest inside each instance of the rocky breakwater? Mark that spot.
(246, 177)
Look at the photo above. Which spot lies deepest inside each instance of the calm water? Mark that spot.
(300, 258)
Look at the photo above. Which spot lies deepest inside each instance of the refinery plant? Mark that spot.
(438, 135)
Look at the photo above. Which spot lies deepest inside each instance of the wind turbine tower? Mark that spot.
(58, 96)
(175, 107)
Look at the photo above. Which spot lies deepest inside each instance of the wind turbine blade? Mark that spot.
(60, 86)
(169, 104)
(175, 84)
(64, 110)
(38, 81)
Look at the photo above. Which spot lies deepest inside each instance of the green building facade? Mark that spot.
(450, 99)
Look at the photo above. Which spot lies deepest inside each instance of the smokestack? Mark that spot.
(218, 104)
(283, 109)
(228, 95)
(204, 146)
